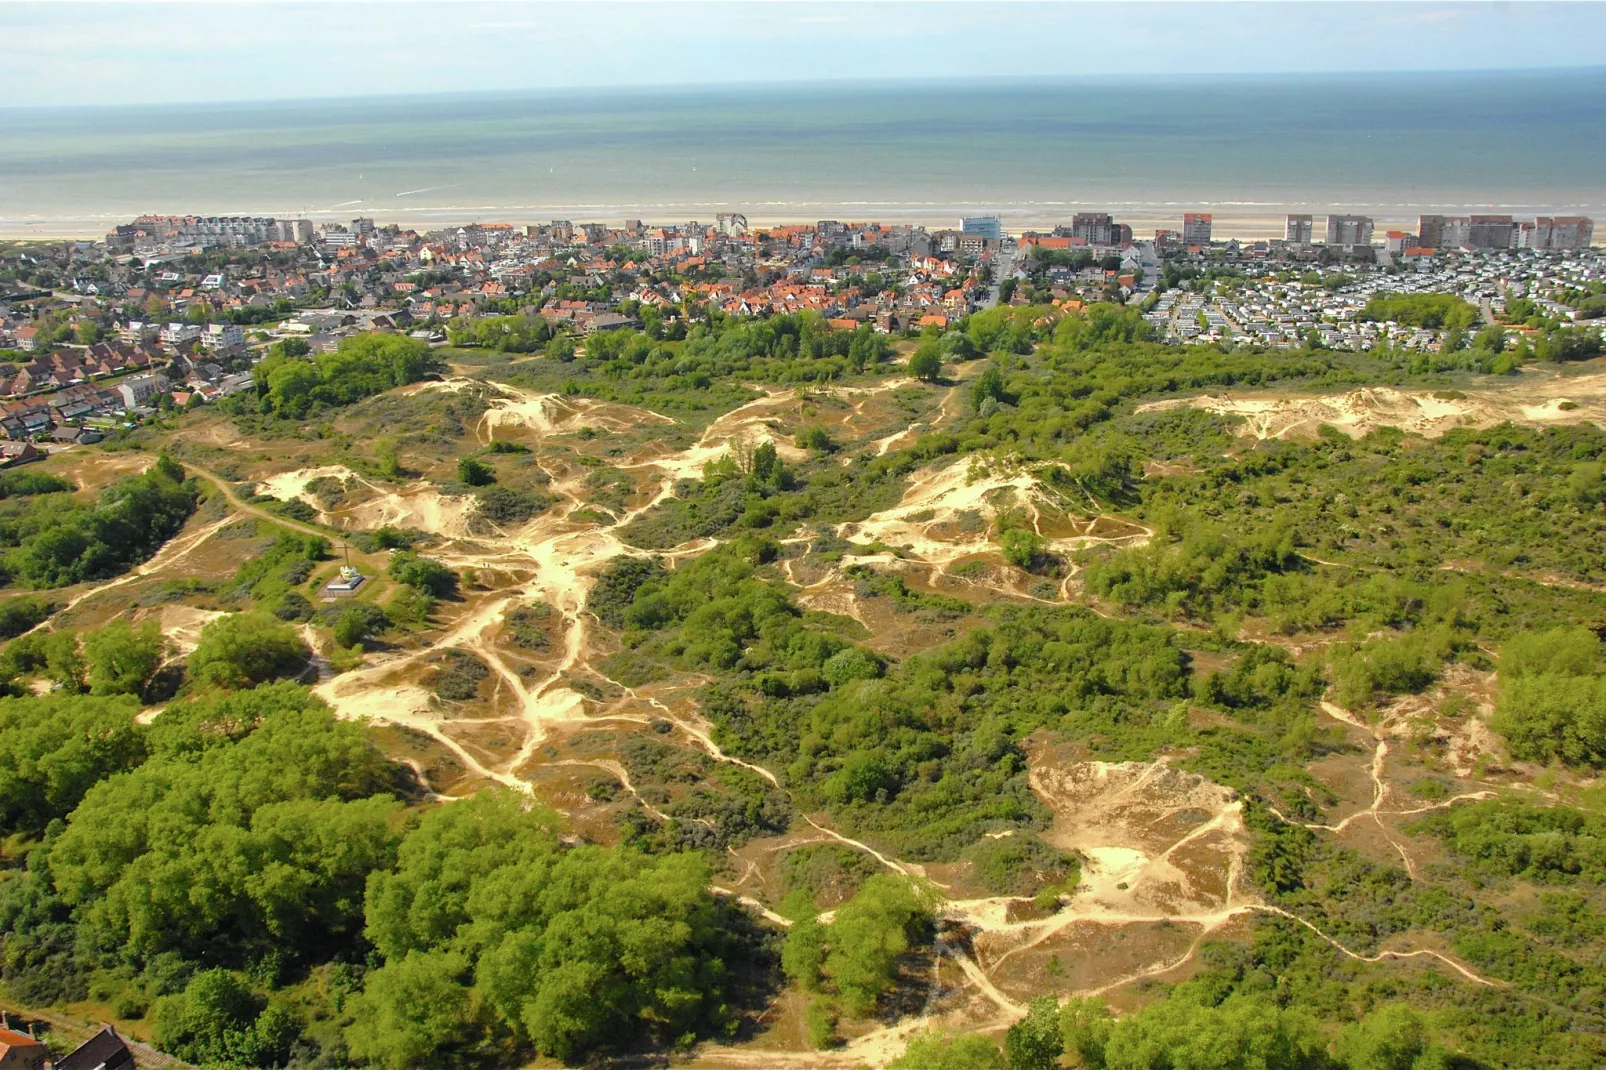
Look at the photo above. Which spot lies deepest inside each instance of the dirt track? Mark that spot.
(1161, 848)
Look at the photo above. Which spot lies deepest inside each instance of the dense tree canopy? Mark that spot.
(245, 649)
(55, 748)
(572, 950)
(365, 364)
(55, 539)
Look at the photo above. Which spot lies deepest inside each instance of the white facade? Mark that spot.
(176, 333)
(223, 336)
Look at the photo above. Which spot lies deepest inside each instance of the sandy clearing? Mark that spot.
(940, 495)
(556, 414)
(418, 505)
(182, 625)
(1535, 398)
(288, 485)
(1379, 736)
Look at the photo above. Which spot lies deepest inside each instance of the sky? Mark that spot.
(68, 53)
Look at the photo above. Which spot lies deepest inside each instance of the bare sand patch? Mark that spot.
(1536, 398)
(293, 484)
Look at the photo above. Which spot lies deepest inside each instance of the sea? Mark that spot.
(1247, 149)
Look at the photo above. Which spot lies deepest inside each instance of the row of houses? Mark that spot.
(68, 367)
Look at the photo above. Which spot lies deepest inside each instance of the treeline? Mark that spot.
(503, 334)
(49, 538)
(1509, 497)
(700, 371)
(1194, 1026)
(293, 387)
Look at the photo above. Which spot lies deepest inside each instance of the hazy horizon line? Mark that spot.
(695, 88)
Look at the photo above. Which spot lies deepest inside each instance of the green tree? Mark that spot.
(989, 385)
(1022, 548)
(218, 1020)
(926, 363)
(1035, 1042)
(411, 1010)
(931, 1049)
(867, 936)
(18, 615)
(1570, 651)
(1553, 715)
(351, 627)
(803, 953)
(1241, 1033)
(1085, 1026)
(1392, 1037)
(422, 573)
(124, 660)
(386, 457)
(246, 649)
(475, 472)
(54, 748)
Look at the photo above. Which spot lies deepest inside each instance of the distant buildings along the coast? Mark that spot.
(174, 311)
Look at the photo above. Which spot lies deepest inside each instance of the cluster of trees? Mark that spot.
(504, 334)
(248, 837)
(291, 387)
(931, 757)
(714, 612)
(754, 490)
(678, 370)
(1434, 311)
(1545, 844)
(1196, 569)
(50, 538)
(235, 650)
(26, 482)
(851, 963)
(18, 615)
(1194, 1028)
(1552, 702)
(489, 925)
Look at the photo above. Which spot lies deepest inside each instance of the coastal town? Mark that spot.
(169, 312)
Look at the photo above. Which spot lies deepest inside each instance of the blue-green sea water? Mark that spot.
(1247, 148)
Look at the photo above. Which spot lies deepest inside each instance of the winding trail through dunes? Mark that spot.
(552, 414)
(172, 552)
(1380, 789)
(239, 505)
(1163, 851)
(558, 555)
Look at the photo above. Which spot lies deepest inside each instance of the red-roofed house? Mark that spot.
(19, 1051)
